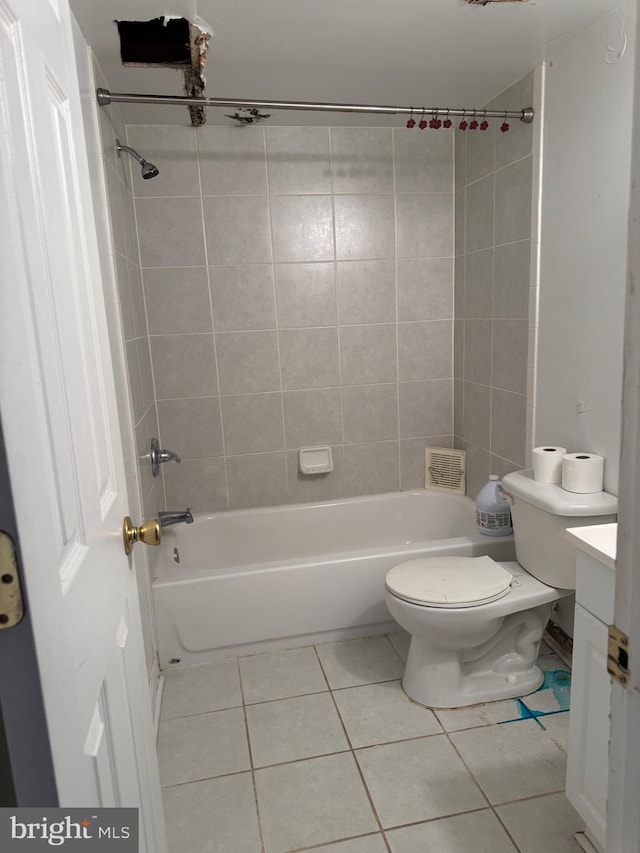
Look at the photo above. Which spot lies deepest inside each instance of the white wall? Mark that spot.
(584, 209)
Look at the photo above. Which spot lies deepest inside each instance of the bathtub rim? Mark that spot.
(167, 571)
(166, 575)
(309, 505)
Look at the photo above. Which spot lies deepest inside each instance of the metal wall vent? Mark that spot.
(445, 469)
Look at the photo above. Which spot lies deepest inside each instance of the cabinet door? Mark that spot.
(588, 763)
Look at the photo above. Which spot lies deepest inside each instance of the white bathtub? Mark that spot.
(292, 575)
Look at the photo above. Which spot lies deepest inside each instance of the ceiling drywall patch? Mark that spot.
(169, 41)
(194, 18)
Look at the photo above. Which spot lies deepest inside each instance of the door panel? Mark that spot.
(60, 421)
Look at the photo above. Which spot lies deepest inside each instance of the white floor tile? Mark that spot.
(203, 746)
(312, 802)
(198, 689)
(354, 662)
(216, 816)
(417, 780)
(543, 824)
(380, 713)
(291, 729)
(414, 774)
(546, 662)
(454, 719)
(279, 675)
(400, 640)
(546, 701)
(557, 726)
(478, 832)
(367, 844)
(513, 760)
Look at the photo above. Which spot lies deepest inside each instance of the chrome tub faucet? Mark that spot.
(175, 516)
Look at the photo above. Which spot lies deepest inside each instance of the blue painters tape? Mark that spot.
(559, 681)
(556, 680)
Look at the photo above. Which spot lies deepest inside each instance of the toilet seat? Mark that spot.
(449, 581)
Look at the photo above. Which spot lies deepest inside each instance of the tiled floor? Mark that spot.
(319, 749)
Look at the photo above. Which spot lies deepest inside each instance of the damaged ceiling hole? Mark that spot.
(169, 43)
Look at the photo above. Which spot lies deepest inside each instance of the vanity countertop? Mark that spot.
(598, 540)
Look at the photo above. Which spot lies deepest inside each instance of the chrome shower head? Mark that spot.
(149, 170)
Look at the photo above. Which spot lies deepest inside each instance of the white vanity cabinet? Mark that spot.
(588, 762)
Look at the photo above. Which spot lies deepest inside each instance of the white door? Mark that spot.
(623, 814)
(58, 408)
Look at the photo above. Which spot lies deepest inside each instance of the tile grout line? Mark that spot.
(497, 169)
(468, 769)
(326, 844)
(493, 254)
(272, 266)
(508, 833)
(154, 404)
(371, 746)
(436, 819)
(337, 298)
(207, 779)
(321, 388)
(393, 646)
(495, 806)
(213, 325)
(346, 261)
(502, 823)
(481, 789)
(251, 763)
(313, 194)
(353, 754)
(395, 289)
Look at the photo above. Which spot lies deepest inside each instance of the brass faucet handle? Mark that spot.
(150, 533)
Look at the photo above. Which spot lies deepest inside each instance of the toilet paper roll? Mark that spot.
(582, 473)
(547, 464)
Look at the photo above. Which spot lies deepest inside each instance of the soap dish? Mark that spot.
(315, 460)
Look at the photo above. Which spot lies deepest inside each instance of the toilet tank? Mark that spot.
(541, 513)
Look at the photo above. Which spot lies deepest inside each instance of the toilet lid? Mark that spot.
(449, 581)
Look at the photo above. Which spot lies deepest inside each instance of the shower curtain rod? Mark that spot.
(106, 97)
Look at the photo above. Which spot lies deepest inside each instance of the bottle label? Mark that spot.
(493, 520)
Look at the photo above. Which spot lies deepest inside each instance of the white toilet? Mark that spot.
(476, 625)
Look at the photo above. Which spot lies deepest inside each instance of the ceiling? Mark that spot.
(423, 52)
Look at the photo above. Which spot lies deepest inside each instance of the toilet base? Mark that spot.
(502, 668)
(483, 687)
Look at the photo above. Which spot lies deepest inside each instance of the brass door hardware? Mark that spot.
(11, 604)
(150, 532)
(618, 655)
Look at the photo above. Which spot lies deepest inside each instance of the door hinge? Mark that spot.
(11, 604)
(618, 655)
